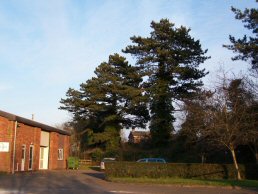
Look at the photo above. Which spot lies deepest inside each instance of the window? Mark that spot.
(60, 154)
(142, 160)
(23, 152)
(161, 160)
(151, 160)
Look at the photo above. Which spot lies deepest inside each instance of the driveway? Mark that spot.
(77, 182)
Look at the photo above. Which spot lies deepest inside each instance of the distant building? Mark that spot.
(26, 145)
(137, 137)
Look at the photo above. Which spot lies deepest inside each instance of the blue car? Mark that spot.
(157, 160)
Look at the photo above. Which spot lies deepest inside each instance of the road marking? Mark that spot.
(126, 192)
(10, 191)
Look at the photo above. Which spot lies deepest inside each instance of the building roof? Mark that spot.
(140, 133)
(32, 123)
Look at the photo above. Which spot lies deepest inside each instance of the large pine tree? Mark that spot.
(169, 57)
(110, 101)
(246, 47)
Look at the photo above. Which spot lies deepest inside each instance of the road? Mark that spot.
(88, 181)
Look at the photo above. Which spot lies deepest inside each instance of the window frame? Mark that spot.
(60, 154)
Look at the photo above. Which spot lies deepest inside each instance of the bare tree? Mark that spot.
(226, 117)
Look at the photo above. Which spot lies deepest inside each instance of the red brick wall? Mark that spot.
(53, 146)
(27, 135)
(58, 141)
(66, 148)
(6, 135)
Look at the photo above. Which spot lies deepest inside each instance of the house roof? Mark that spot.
(140, 133)
(32, 123)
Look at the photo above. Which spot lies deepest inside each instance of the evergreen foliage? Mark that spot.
(246, 47)
(169, 58)
(108, 102)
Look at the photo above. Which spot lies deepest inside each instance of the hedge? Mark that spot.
(179, 170)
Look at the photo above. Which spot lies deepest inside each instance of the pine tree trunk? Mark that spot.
(235, 162)
(256, 157)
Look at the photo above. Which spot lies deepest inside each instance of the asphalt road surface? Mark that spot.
(77, 182)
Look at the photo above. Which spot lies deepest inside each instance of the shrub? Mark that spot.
(179, 170)
(73, 162)
(97, 154)
(111, 154)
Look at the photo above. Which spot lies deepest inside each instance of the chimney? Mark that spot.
(133, 129)
(32, 117)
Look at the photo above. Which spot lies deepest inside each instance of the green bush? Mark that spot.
(179, 170)
(97, 154)
(73, 162)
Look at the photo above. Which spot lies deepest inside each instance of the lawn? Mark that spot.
(185, 182)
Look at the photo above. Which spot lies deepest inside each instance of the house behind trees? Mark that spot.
(137, 137)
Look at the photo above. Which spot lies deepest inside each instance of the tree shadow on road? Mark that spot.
(99, 175)
(49, 182)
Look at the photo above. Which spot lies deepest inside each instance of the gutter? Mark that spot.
(14, 145)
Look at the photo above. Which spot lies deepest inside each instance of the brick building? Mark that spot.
(136, 137)
(28, 145)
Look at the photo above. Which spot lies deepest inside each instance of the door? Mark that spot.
(31, 157)
(23, 156)
(43, 159)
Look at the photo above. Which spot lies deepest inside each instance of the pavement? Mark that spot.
(89, 181)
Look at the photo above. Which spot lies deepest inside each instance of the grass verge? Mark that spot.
(188, 182)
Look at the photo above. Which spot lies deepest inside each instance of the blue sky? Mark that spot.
(48, 46)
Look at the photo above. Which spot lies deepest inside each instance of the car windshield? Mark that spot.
(141, 160)
(161, 160)
(108, 159)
